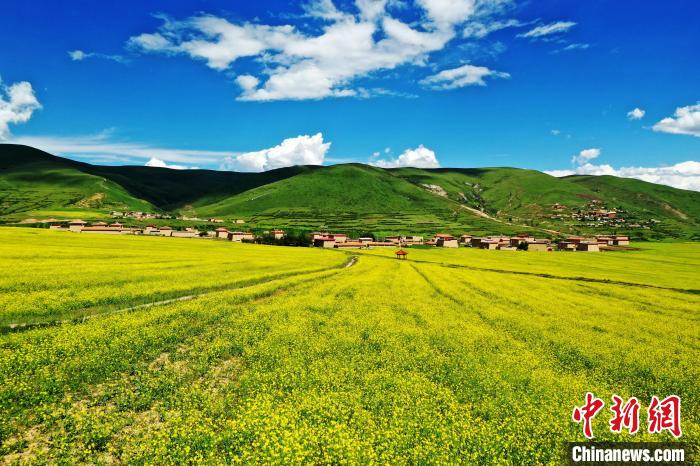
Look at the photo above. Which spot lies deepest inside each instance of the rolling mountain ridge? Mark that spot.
(351, 197)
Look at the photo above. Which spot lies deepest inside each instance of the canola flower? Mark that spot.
(385, 362)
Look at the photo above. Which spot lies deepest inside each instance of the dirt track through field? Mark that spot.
(28, 326)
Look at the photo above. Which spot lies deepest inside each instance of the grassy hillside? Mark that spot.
(526, 196)
(499, 191)
(353, 197)
(177, 189)
(35, 183)
(53, 181)
(677, 209)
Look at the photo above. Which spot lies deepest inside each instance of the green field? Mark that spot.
(286, 356)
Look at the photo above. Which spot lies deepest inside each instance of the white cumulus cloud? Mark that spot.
(79, 55)
(155, 162)
(420, 157)
(560, 173)
(301, 150)
(636, 114)
(301, 62)
(17, 104)
(686, 120)
(479, 30)
(585, 156)
(466, 75)
(548, 29)
(247, 82)
(683, 175)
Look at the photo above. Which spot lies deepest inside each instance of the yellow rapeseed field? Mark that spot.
(285, 356)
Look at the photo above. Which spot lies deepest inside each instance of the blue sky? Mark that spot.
(547, 85)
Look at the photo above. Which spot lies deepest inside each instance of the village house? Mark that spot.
(446, 241)
(394, 239)
(152, 230)
(76, 225)
(187, 233)
(56, 226)
(413, 239)
(222, 233)
(105, 230)
(465, 239)
(620, 240)
(324, 242)
(539, 246)
(277, 234)
(475, 241)
(567, 245)
(166, 231)
(240, 236)
(533, 244)
(524, 237)
(588, 246)
(339, 237)
(489, 244)
(366, 239)
(350, 245)
(604, 240)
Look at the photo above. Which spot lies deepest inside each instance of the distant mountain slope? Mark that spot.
(351, 197)
(172, 189)
(679, 209)
(33, 181)
(499, 191)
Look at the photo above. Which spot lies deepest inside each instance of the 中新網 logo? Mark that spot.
(662, 415)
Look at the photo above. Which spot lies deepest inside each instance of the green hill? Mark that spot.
(35, 183)
(677, 210)
(354, 198)
(172, 189)
(499, 191)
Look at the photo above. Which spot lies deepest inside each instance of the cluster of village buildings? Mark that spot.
(595, 215)
(521, 241)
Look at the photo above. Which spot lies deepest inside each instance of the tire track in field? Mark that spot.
(245, 284)
(603, 281)
(555, 354)
(104, 390)
(562, 355)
